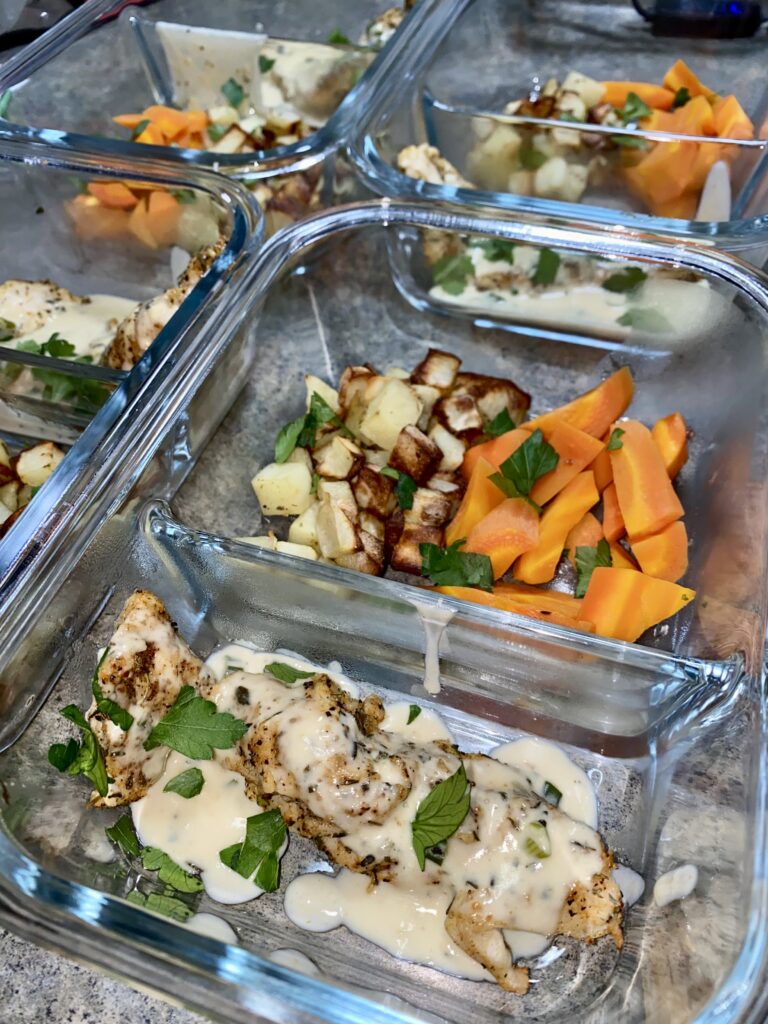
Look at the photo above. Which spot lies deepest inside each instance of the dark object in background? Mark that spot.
(37, 16)
(714, 19)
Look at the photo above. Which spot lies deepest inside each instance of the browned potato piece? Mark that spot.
(438, 369)
(373, 492)
(406, 556)
(430, 508)
(460, 415)
(415, 454)
(492, 394)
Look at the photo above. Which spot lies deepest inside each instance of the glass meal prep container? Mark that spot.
(69, 284)
(265, 92)
(495, 79)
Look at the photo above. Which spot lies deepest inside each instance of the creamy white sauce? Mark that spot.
(242, 657)
(295, 960)
(543, 762)
(675, 885)
(526, 945)
(435, 619)
(426, 727)
(631, 884)
(212, 926)
(89, 326)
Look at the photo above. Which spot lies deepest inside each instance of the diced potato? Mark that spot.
(398, 373)
(371, 524)
(231, 142)
(373, 386)
(571, 103)
(590, 91)
(303, 529)
(415, 454)
(576, 183)
(437, 369)
(452, 447)
(525, 258)
(492, 394)
(445, 485)
(9, 495)
(338, 460)
(316, 386)
(5, 458)
(359, 561)
(252, 125)
(339, 493)
(373, 492)
(543, 142)
(567, 137)
(376, 457)
(490, 162)
(299, 550)
(460, 414)
(550, 178)
(283, 489)
(520, 183)
(25, 496)
(302, 457)
(406, 556)
(550, 87)
(353, 383)
(336, 534)
(224, 115)
(35, 465)
(5, 512)
(395, 406)
(428, 396)
(268, 541)
(430, 508)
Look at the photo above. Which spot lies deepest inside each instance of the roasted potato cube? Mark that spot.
(9, 494)
(406, 556)
(303, 529)
(5, 513)
(339, 460)
(373, 386)
(492, 394)
(35, 465)
(392, 530)
(428, 396)
(373, 492)
(298, 550)
(302, 457)
(394, 406)
(25, 496)
(373, 546)
(415, 454)
(430, 508)
(587, 89)
(438, 369)
(460, 414)
(445, 483)
(376, 457)
(452, 447)
(371, 524)
(267, 540)
(232, 141)
(398, 373)
(283, 489)
(5, 458)
(360, 561)
(336, 534)
(317, 386)
(340, 494)
(353, 383)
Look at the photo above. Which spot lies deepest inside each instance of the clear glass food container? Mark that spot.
(304, 72)
(50, 391)
(643, 173)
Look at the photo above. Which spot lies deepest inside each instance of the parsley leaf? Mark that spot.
(286, 673)
(194, 727)
(57, 347)
(525, 465)
(536, 842)
(630, 141)
(587, 559)
(140, 128)
(265, 64)
(496, 249)
(233, 92)
(633, 109)
(166, 905)
(186, 784)
(449, 567)
(217, 131)
(530, 157)
(614, 441)
(547, 267)
(682, 96)
(169, 872)
(287, 438)
(5, 102)
(7, 329)
(113, 711)
(644, 320)
(413, 713)
(185, 196)
(257, 855)
(338, 37)
(502, 423)
(124, 835)
(302, 432)
(405, 486)
(552, 794)
(451, 273)
(627, 280)
(84, 758)
(440, 813)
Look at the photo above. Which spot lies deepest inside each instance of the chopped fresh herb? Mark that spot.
(169, 872)
(682, 96)
(315, 482)
(413, 713)
(587, 560)
(113, 711)
(614, 441)
(195, 728)
(449, 567)
(185, 196)
(627, 280)
(564, 115)
(302, 432)
(440, 813)
(140, 128)
(501, 423)
(7, 329)
(645, 320)
(338, 37)
(287, 438)
(84, 758)
(452, 272)
(552, 794)
(217, 131)
(168, 906)
(496, 249)
(5, 102)
(265, 64)
(233, 92)
(533, 459)
(124, 835)
(87, 395)
(436, 853)
(257, 856)
(186, 784)
(405, 486)
(547, 267)
(629, 141)
(57, 347)
(536, 842)
(530, 157)
(633, 109)
(287, 673)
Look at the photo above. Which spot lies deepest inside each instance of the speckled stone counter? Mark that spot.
(37, 986)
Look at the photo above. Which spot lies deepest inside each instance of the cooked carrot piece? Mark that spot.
(620, 557)
(169, 120)
(664, 555)
(663, 174)
(594, 411)
(197, 120)
(682, 208)
(576, 450)
(508, 531)
(92, 220)
(510, 603)
(129, 120)
(613, 521)
(624, 603)
(151, 136)
(670, 435)
(163, 211)
(601, 467)
(695, 118)
(113, 194)
(141, 226)
(545, 600)
(680, 76)
(617, 93)
(646, 497)
(730, 120)
(495, 451)
(539, 564)
(480, 497)
(585, 534)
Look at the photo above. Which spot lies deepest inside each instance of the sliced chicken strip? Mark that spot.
(29, 305)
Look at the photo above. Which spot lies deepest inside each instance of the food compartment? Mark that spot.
(672, 799)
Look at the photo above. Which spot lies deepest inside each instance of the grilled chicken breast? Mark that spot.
(31, 304)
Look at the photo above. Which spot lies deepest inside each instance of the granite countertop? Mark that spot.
(37, 986)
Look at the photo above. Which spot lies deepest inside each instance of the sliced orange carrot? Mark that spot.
(152, 136)
(694, 118)
(601, 467)
(163, 211)
(664, 555)
(141, 226)
(510, 603)
(129, 120)
(646, 497)
(508, 531)
(620, 558)
(495, 451)
(197, 120)
(576, 450)
(539, 564)
(480, 497)
(682, 208)
(670, 435)
(664, 173)
(169, 120)
(585, 534)
(613, 521)
(624, 603)
(91, 220)
(617, 93)
(545, 600)
(594, 411)
(113, 194)
(730, 120)
(680, 76)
